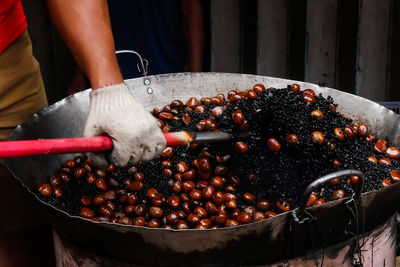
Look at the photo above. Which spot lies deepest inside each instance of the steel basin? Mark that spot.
(267, 241)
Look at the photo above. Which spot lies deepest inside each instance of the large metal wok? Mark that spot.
(283, 236)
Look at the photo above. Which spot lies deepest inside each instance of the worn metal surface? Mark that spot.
(267, 241)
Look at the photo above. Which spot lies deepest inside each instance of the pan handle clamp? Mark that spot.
(300, 214)
(142, 66)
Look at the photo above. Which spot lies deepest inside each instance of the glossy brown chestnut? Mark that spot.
(195, 194)
(309, 92)
(58, 193)
(217, 111)
(338, 194)
(313, 197)
(386, 183)
(363, 130)
(251, 94)
(156, 212)
(208, 192)
(200, 109)
(393, 152)
(317, 114)
(138, 176)
(158, 200)
(211, 208)
(259, 88)
(70, 164)
(151, 192)
(338, 133)
(167, 153)
(263, 204)
(139, 221)
(174, 202)
(99, 200)
(100, 173)
(110, 195)
(318, 137)
(283, 205)
(192, 102)
(241, 148)
(258, 216)
(249, 197)
(292, 139)
(132, 198)
(218, 198)
(270, 214)
(295, 88)
(188, 186)
(87, 213)
(370, 138)
(380, 146)
(244, 218)
(219, 219)
(172, 218)
(273, 144)
(238, 117)
(354, 180)
(349, 131)
(135, 186)
(55, 181)
(153, 223)
(217, 182)
(165, 116)
(101, 184)
(395, 174)
(372, 159)
(308, 99)
(337, 163)
(181, 225)
(45, 190)
(140, 210)
(181, 167)
(384, 161)
(319, 202)
(87, 200)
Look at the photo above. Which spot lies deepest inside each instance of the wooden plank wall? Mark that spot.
(351, 45)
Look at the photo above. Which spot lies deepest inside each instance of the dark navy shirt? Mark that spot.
(153, 28)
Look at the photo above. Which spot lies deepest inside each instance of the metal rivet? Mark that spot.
(147, 81)
(149, 90)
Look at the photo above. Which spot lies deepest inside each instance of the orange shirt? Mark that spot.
(12, 22)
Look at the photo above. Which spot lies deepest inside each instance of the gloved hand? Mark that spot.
(134, 131)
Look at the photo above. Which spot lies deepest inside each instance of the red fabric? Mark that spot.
(12, 22)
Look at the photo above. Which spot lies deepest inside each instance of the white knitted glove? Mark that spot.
(134, 131)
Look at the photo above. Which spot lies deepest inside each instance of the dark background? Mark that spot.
(351, 45)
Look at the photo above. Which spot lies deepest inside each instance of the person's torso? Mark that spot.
(153, 28)
(12, 22)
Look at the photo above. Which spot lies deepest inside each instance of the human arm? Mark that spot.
(85, 27)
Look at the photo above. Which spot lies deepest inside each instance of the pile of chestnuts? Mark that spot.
(283, 139)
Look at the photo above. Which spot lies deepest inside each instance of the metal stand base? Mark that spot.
(379, 250)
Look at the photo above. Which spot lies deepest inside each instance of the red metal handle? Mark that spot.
(11, 149)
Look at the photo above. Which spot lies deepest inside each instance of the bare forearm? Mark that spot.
(85, 27)
(194, 32)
